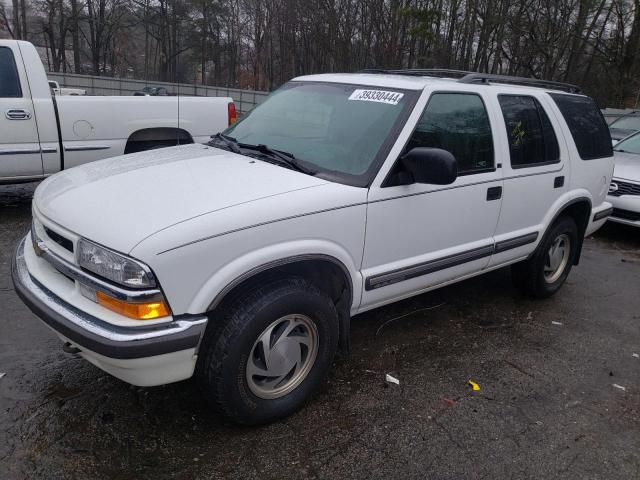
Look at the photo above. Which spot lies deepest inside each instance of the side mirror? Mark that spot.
(430, 165)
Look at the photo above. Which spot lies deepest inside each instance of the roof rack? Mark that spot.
(420, 72)
(482, 78)
(485, 78)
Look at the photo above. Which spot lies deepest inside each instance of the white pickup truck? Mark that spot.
(41, 134)
(58, 90)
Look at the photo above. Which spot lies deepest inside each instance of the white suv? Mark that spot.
(242, 261)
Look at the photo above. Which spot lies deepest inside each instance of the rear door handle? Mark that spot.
(17, 114)
(494, 193)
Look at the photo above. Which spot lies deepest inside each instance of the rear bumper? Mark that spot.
(105, 344)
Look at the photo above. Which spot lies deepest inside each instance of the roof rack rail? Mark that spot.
(474, 77)
(419, 72)
(485, 78)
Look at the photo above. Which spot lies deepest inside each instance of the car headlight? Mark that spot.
(113, 266)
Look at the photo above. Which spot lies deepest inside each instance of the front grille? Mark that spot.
(59, 239)
(624, 188)
(626, 214)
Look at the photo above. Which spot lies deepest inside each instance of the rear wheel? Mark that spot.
(273, 348)
(143, 146)
(543, 274)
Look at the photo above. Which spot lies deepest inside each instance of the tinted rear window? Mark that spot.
(9, 81)
(587, 125)
(532, 140)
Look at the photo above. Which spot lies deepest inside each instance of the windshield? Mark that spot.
(632, 122)
(335, 127)
(630, 145)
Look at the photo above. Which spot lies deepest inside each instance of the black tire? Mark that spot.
(529, 276)
(224, 353)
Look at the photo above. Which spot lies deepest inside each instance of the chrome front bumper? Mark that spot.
(89, 332)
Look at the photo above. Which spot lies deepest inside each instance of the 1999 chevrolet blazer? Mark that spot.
(242, 261)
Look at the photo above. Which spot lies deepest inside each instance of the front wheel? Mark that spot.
(273, 349)
(543, 274)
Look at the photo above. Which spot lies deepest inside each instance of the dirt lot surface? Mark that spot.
(548, 405)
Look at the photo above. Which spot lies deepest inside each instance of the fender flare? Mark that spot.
(278, 263)
(575, 200)
(344, 313)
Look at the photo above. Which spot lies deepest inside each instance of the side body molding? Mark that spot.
(412, 271)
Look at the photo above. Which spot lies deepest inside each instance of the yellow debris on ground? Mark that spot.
(474, 385)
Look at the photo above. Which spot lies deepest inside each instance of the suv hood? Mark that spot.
(627, 166)
(122, 200)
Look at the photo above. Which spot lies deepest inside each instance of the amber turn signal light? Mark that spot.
(137, 311)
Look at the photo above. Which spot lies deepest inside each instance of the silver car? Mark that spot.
(624, 191)
(625, 126)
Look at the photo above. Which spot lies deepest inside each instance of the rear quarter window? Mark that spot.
(586, 124)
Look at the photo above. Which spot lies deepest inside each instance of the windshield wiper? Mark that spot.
(229, 142)
(283, 157)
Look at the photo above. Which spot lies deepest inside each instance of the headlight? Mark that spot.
(113, 266)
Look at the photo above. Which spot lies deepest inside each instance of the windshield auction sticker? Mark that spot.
(381, 96)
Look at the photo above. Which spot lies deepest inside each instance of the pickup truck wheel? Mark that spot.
(143, 146)
(273, 349)
(543, 274)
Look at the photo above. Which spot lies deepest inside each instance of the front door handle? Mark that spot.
(17, 114)
(494, 193)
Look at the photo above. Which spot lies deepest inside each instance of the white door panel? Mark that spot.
(19, 143)
(428, 237)
(529, 193)
(422, 235)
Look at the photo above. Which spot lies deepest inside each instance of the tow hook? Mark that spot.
(68, 348)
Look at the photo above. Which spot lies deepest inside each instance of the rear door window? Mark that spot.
(9, 80)
(586, 124)
(532, 141)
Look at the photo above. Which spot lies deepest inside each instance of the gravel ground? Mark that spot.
(547, 405)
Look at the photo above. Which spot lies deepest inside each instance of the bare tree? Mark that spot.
(260, 44)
